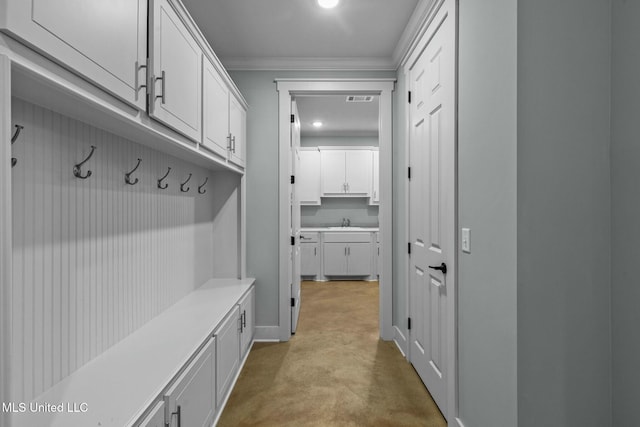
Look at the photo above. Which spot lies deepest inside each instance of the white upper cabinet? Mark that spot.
(375, 194)
(224, 117)
(175, 72)
(332, 164)
(308, 179)
(215, 104)
(346, 172)
(358, 172)
(103, 41)
(237, 131)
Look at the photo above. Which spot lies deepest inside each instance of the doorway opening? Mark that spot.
(335, 193)
(338, 186)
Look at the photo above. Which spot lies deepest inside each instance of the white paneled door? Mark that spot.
(431, 206)
(295, 220)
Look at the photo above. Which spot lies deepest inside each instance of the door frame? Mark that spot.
(382, 87)
(431, 24)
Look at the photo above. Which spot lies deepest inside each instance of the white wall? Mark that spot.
(487, 147)
(625, 176)
(95, 259)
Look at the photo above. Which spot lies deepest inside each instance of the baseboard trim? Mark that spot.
(401, 341)
(267, 333)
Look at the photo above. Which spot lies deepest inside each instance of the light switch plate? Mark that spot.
(466, 240)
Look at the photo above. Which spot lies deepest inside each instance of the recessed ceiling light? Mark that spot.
(317, 124)
(328, 4)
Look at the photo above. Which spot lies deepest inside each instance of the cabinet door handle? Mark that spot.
(163, 78)
(137, 79)
(178, 413)
(315, 251)
(233, 143)
(229, 141)
(244, 319)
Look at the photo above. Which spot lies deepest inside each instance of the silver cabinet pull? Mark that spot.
(138, 86)
(164, 79)
(233, 143)
(179, 415)
(229, 142)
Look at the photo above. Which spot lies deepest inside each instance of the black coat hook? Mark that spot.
(77, 169)
(14, 138)
(183, 184)
(200, 188)
(162, 179)
(127, 176)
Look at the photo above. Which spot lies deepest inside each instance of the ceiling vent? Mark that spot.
(359, 98)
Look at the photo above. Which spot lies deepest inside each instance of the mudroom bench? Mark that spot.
(178, 369)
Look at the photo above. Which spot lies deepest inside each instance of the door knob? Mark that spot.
(442, 267)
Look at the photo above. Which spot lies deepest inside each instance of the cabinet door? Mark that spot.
(358, 164)
(155, 417)
(104, 41)
(237, 128)
(308, 179)
(375, 196)
(247, 310)
(215, 104)
(359, 259)
(332, 166)
(310, 262)
(191, 400)
(176, 95)
(227, 353)
(335, 259)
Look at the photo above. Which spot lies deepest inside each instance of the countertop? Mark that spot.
(334, 229)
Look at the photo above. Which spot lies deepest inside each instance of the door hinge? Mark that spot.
(293, 240)
(409, 248)
(293, 179)
(409, 172)
(409, 323)
(293, 118)
(409, 96)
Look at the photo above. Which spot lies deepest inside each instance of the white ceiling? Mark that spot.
(286, 34)
(340, 118)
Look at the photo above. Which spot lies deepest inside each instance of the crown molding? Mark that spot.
(308, 64)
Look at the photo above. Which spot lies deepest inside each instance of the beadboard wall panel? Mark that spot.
(95, 259)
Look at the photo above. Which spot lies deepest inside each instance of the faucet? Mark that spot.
(346, 222)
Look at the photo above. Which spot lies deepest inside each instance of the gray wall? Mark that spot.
(333, 210)
(564, 346)
(625, 175)
(259, 90)
(357, 141)
(487, 205)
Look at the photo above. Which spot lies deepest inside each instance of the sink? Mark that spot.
(350, 228)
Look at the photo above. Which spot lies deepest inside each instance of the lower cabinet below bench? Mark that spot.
(191, 399)
(197, 396)
(227, 352)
